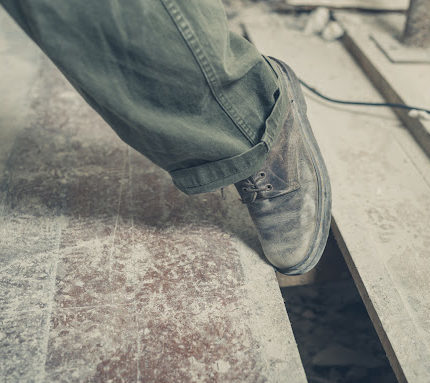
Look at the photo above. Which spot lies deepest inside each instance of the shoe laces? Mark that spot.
(250, 185)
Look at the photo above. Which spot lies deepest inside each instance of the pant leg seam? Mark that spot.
(208, 71)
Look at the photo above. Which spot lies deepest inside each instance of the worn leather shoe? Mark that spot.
(289, 199)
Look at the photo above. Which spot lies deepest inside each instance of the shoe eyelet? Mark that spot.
(262, 174)
(245, 189)
(269, 187)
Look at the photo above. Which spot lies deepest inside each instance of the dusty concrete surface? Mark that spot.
(108, 273)
(400, 73)
(18, 71)
(367, 5)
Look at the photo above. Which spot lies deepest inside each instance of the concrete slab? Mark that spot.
(373, 5)
(381, 191)
(405, 83)
(120, 276)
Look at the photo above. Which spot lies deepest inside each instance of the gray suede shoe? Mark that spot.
(289, 199)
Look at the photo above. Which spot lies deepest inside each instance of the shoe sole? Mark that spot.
(324, 190)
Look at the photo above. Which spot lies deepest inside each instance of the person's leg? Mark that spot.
(170, 79)
(201, 103)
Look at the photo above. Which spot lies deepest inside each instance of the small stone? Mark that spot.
(317, 21)
(337, 355)
(332, 31)
(420, 114)
(308, 314)
(222, 366)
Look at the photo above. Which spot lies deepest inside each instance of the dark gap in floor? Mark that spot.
(335, 336)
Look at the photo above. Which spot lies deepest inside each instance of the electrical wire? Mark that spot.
(360, 103)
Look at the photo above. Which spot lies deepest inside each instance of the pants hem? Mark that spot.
(214, 175)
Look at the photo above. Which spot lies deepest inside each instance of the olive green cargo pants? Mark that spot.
(169, 78)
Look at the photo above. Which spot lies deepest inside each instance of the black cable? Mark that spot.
(359, 103)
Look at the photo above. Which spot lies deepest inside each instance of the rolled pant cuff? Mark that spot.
(217, 174)
(214, 175)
